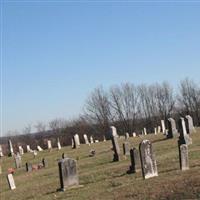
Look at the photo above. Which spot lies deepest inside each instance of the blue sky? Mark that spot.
(55, 54)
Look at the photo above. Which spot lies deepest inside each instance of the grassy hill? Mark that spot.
(103, 179)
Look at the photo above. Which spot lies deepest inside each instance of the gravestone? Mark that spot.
(64, 155)
(68, 173)
(172, 131)
(145, 131)
(155, 131)
(189, 124)
(96, 141)
(76, 141)
(183, 157)
(126, 150)
(163, 127)
(11, 152)
(104, 138)
(35, 153)
(184, 138)
(134, 134)
(18, 161)
(11, 182)
(49, 144)
(29, 150)
(44, 163)
(116, 149)
(29, 167)
(148, 161)
(127, 136)
(39, 148)
(159, 129)
(86, 139)
(1, 151)
(91, 140)
(58, 144)
(21, 150)
(113, 132)
(135, 162)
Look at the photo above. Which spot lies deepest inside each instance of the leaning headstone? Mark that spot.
(39, 148)
(189, 124)
(126, 150)
(86, 139)
(76, 141)
(21, 150)
(11, 182)
(183, 157)
(172, 131)
(49, 144)
(184, 138)
(1, 151)
(28, 167)
(148, 161)
(29, 150)
(126, 136)
(68, 173)
(113, 132)
(11, 152)
(135, 163)
(18, 161)
(58, 144)
(116, 149)
(163, 126)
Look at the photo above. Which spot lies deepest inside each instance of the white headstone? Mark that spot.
(1, 151)
(21, 150)
(39, 148)
(49, 144)
(58, 144)
(145, 131)
(163, 126)
(11, 181)
(113, 132)
(86, 139)
(29, 149)
(91, 140)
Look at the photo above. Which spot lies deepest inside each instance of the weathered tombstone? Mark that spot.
(135, 163)
(18, 161)
(189, 124)
(86, 139)
(76, 141)
(96, 141)
(172, 131)
(49, 144)
(68, 173)
(113, 132)
(134, 134)
(29, 149)
(11, 182)
(91, 140)
(127, 136)
(28, 167)
(148, 161)
(163, 127)
(145, 131)
(104, 138)
(39, 148)
(11, 152)
(1, 151)
(58, 144)
(126, 150)
(159, 129)
(116, 149)
(184, 137)
(21, 150)
(44, 163)
(183, 157)
(155, 131)
(35, 153)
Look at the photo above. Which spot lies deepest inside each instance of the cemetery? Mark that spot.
(146, 166)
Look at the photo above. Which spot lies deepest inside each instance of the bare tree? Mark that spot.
(40, 126)
(125, 103)
(189, 98)
(27, 129)
(97, 108)
(57, 124)
(165, 100)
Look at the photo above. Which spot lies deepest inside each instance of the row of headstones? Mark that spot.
(148, 162)
(29, 168)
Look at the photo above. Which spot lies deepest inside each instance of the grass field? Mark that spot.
(103, 179)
